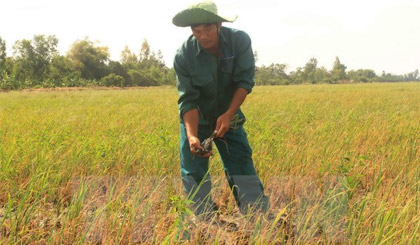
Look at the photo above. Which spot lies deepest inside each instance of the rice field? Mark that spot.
(340, 164)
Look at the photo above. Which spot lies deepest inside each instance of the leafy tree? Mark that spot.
(23, 67)
(275, 74)
(90, 60)
(255, 56)
(416, 75)
(33, 58)
(141, 78)
(128, 59)
(361, 75)
(3, 72)
(2, 55)
(145, 53)
(150, 69)
(148, 59)
(297, 76)
(62, 72)
(112, 80)
(322, 75)
(262, 76)
(8, 65)
(388, 77)
(170, 77)
(7, 82)
(338, 71)
(309, 71)
(115, 67)
(412, 76)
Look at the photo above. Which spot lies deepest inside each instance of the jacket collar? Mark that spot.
(197, 47)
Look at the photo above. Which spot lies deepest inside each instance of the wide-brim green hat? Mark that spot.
(200, 13)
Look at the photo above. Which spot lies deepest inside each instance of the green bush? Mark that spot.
(112, 80)
(8, 83)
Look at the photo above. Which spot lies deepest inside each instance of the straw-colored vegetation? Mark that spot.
(340, 163)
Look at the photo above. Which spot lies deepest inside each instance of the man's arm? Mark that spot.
(187, 103)
(191, 120)
(223, 122)
(243, 80)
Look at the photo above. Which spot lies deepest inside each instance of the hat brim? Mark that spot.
(191, 17)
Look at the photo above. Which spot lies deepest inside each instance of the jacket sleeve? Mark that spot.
(188, 94)
(244, 70)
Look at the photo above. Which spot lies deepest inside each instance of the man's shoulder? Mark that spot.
(187, 48)
(235, 35)
(234, 31)
(185, 54)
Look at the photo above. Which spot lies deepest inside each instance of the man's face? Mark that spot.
(206, 35)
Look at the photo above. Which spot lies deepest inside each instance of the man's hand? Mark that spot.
(195, 144)
(191, 120)
(223, 124)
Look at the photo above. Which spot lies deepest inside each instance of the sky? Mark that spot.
(383, 35)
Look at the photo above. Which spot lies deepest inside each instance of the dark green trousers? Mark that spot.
(236, 155)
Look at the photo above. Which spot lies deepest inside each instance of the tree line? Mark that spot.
(36, 63)
(275, 74)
